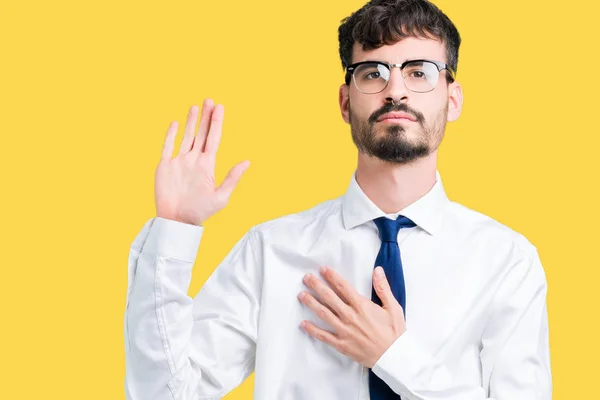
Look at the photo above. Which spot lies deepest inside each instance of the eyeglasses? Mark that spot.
(419, 76)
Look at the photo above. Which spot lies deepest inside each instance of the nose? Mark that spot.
(396, 90)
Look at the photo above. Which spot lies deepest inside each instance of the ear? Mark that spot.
(455, 101)
(343, 100)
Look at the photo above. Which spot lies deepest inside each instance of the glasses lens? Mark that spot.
(420, 76)
(371, 77)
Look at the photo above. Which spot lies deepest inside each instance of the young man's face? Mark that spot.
(400, 141)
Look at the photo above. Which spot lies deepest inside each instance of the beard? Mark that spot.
(391, 143)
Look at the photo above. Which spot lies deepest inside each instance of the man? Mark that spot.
(459, 312)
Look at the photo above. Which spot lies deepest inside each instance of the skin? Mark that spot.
(396, 166)
(396, 175)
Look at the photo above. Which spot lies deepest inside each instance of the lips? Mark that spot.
(396, 115)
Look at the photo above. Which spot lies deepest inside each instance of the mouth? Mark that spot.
(395, 117)
(396, 120)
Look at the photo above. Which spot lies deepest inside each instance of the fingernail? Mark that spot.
(379, 272)
(323, 269)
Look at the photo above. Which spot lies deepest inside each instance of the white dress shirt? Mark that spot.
(476, 316)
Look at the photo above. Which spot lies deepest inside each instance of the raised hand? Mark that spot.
(184, 186)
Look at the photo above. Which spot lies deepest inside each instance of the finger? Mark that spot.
(169, 143)
(200, 139)
(383, 289)
(321, 334)
(188, 133)
(343, 288)
(214, 133)
(321, 310)
(231, 180)
(328, 296)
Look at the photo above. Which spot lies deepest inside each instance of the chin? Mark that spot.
(396, 131)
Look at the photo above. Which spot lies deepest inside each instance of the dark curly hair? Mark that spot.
(386, 22)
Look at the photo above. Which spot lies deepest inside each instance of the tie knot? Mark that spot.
(389, 228)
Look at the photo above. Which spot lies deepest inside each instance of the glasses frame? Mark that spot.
(440, 66)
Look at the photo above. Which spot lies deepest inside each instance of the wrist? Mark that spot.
(180, 218)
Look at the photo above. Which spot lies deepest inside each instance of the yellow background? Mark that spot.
(88, 89)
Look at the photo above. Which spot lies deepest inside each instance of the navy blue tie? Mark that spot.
(389, 259)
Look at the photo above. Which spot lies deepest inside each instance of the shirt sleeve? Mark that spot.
(515, 353)
(181, 348)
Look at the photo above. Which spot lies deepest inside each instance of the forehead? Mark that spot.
(409, 48)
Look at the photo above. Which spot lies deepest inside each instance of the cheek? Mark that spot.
(361, 108)
(432, 110)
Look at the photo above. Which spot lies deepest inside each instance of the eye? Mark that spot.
(373, 75)
(418, 74)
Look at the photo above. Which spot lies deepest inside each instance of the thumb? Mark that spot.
(232, 178)
(383, 290)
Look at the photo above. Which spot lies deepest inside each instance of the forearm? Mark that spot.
(514, 356)
(415, 374)
(158, 318)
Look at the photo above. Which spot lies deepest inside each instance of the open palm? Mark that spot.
(185, 189)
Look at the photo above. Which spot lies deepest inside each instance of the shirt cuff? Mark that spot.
(173, 239)
(400, 364)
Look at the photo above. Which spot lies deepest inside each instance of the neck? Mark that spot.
(394, 187)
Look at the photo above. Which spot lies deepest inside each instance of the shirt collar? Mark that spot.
(426, 212)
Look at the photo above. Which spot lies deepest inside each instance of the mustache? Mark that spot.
(398, 108)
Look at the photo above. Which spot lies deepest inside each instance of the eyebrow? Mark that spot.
(410, 59)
